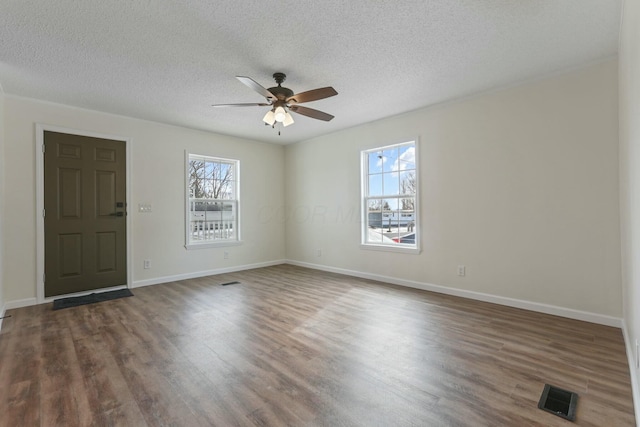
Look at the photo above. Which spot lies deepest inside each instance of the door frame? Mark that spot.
(39, 142)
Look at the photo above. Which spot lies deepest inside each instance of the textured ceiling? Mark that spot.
(168, 61)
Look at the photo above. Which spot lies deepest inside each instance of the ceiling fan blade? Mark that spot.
(252, 104)
(312, 95)
(257, 87)
(310, 112)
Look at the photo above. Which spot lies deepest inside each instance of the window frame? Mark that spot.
(189, 244)
(365, 197)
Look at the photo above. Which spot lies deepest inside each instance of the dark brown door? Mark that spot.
(85, 213)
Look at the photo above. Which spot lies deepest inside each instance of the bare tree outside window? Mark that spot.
(375, 205)
(210, 180)
(408, 186)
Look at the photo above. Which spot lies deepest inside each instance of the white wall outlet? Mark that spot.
(461, 270)
(144, 207)
(319, 253)
(226, 255)
(147, 264)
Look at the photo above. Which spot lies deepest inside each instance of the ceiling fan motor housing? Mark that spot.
(281, 92)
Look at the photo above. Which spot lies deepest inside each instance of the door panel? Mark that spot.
(70, 254)
(85, 215)
(105, 192)
(70, 185)
(106, 248)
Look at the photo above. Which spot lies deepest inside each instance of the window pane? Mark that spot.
(375, 185)
(228, 225)
(199, 206)
(407, 204)
(407, 157)
(374, 213)
(390, 159)
(408, 182)
(197, 167)
(375, 235)
(375, 205)
(375, 160)
(226, 191)
(225, 171)
(390, 205)
(207, 190)
(391, 183)
(215, 189)
(208, 170)
(213, 211)
(196, 175)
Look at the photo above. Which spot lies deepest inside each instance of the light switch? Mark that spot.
(144, 207)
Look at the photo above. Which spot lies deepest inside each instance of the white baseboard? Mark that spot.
(2, 311)
(510, 302)
(185, 276)
(495, 299)
(9, 305)
(19, 303)
(635, 386)
(157, 280)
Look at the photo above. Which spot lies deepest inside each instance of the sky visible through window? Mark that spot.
(390, 172)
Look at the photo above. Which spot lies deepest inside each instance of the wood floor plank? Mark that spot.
(19, 378)
(64, 397)
(289, 346)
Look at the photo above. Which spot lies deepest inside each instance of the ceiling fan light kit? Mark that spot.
(288, 120)
(269, 118)
(282, 100)
(279, 114)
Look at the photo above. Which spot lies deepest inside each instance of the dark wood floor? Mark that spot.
(298, 347)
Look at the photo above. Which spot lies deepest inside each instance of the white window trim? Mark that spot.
(364, 198)
(211, 244)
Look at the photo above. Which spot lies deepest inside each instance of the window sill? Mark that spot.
(388, 248)
(208, 245)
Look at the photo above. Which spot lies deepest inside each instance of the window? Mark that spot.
(390, 197)
(212, 201)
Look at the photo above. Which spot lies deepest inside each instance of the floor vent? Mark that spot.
(230, 283)
(559, 402)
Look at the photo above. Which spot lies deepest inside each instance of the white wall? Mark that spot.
(2, 172)
(157, 159)
(630, 182)
(519, 185)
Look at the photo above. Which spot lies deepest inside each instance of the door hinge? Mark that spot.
(43, 213)
(44, 277)
(43, 149)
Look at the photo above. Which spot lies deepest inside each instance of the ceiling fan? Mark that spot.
(282, 100)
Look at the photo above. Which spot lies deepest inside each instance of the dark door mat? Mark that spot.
(90, 299)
